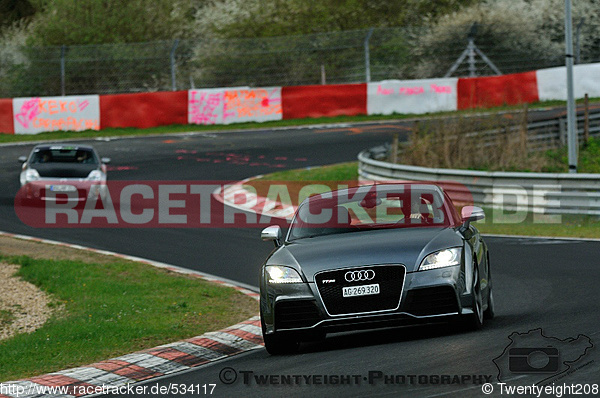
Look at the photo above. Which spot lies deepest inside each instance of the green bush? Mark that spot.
(516, 35)
(68, 22)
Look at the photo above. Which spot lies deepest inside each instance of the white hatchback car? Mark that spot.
(65, 169)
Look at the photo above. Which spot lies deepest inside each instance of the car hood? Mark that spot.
(406, 246)
(64, 170)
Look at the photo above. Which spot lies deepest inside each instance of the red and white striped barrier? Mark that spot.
(226, 106)
(235, 105)
(552, 83)
(412, 96)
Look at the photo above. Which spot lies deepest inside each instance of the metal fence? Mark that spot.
(540, 135)
(333, 57)
(550, 193)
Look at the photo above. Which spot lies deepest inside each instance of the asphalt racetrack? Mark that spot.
(546, 291)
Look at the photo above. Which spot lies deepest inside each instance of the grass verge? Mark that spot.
(335, 172)
(496, 222)
(118, 132)
(588, 159)
(491, 143)
(530, 224)
(110, 307)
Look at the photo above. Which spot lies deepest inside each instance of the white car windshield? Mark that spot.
(64, 155)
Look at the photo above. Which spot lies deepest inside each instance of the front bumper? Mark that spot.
(427, 296)
(73, 190)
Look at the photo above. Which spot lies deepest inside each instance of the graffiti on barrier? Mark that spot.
(204, 106)
(222, 106)
(432, 88)
(411, 96)
(36, 115)
(29, 111)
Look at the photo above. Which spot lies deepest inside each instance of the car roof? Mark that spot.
(380, 188)
(63, 146)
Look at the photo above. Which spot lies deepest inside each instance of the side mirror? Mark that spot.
(272, 233)
(105, 160)
(22, 159)
(471, 213)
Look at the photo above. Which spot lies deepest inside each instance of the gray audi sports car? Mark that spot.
(373, 256)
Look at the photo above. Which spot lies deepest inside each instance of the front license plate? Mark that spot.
(62, 188)
(363, 290)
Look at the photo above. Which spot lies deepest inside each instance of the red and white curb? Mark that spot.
(242, 196)
(146, 364)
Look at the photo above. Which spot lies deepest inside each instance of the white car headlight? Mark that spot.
(31, 175)
(442, 258)
(95, 175)
(279, 274)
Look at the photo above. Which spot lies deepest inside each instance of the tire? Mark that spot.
(475, 321)
(276, 344)
(490, 312)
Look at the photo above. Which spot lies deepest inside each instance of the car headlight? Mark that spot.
(31, 175)
(442, 258)
(279, 274)
(95, 175)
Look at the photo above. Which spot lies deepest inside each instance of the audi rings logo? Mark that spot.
(357, 276)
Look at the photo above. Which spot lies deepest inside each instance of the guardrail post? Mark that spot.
(562, 131)
(394, 150)
(524, 128)
(573, 138)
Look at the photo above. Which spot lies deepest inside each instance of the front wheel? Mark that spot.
(490, 312)
(474, 321)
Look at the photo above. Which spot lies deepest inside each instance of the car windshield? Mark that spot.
(64, 155)
(373, 207)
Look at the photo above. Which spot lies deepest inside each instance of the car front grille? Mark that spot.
(296, 314)
(389, 277)
(431, 301)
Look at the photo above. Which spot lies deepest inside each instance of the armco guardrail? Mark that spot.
(550, 193)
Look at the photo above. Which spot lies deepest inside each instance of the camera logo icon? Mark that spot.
(543, 358)
(533, 360)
